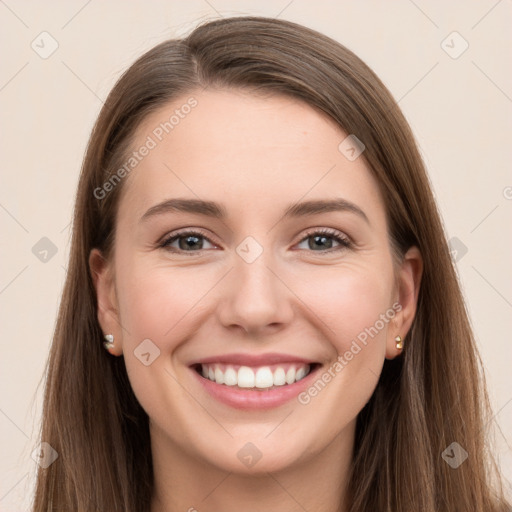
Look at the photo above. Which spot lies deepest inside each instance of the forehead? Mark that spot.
(244, 150)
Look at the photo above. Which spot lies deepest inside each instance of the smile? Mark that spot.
(254, 381)
(264, 377)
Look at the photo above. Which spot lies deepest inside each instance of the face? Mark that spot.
(258, 316)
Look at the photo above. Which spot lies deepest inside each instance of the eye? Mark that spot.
(187, 241)
(323, 239)
(194, 241)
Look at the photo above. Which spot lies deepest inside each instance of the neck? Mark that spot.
(185, 483)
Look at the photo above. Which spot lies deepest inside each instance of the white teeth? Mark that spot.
(230, 377)
(264, 378)
(279, 377)
(290, 375)
(245, 377)
(261, 378)
(219, 376)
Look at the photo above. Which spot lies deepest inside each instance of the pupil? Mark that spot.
(319, 240)
(189, 242)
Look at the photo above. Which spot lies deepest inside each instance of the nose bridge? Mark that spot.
(255, 277)
(254, 297)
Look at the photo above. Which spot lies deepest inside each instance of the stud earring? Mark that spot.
(399, 342)
(109, 343)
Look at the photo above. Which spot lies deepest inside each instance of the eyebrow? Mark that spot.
(217, 211)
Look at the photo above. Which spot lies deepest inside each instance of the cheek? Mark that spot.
(155, 301)
(350, 301)
(356, 307)
(157, 304)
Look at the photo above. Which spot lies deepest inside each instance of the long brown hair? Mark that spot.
(430, 397)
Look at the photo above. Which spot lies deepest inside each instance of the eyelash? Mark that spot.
(343, 240)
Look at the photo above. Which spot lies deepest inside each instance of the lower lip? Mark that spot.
(254, 399)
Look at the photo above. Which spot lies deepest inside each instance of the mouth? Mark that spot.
(262, 378)
(255, 382)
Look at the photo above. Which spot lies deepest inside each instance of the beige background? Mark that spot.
(460, 110)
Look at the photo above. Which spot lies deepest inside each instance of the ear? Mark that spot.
(108, 315)
(408, 287)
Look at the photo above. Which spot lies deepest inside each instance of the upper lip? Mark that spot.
(253, 359)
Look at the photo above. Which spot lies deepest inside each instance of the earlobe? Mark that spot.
(107, 310)
(408, 283)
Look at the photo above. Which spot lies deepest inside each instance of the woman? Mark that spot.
(256, 236)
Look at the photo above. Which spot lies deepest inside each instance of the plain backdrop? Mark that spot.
(446, 63)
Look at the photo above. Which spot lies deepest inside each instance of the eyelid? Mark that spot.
(326, 231)
(183, 232)
(344, 241)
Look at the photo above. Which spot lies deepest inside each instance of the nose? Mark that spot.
(255, 298)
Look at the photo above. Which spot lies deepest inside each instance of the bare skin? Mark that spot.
(254, 156)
